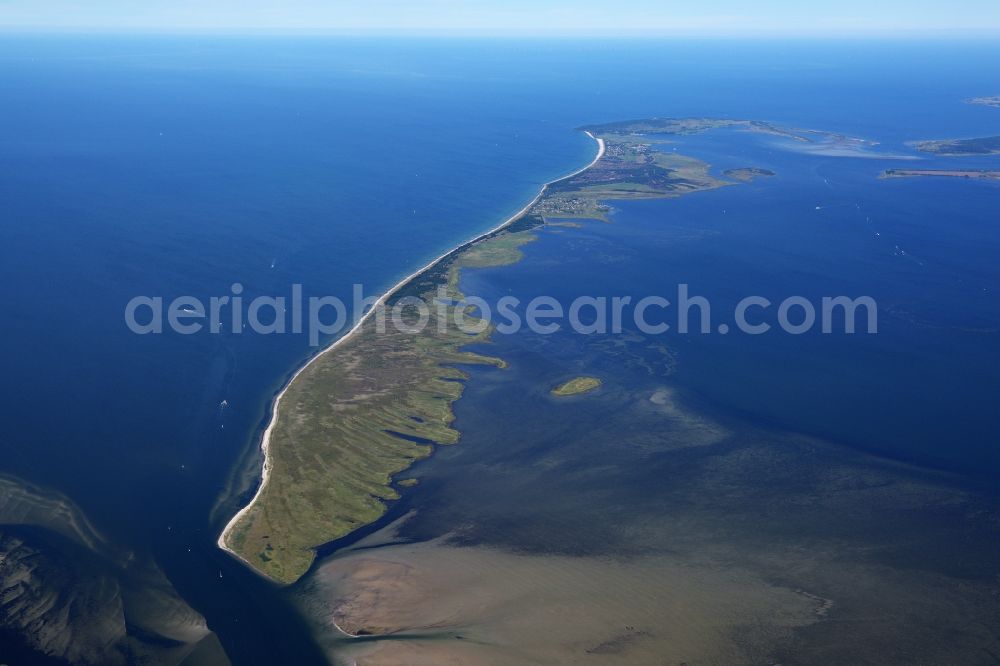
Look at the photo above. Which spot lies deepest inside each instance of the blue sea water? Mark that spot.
(917, 389)
(169, 166)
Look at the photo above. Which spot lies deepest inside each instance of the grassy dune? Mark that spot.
(348, 423)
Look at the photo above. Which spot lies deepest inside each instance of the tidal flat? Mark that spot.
(649, 531)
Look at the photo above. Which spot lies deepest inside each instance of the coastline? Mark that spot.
(383, 299)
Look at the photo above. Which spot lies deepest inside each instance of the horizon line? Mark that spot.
(458, 33)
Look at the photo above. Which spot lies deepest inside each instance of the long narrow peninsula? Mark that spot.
(373, 403)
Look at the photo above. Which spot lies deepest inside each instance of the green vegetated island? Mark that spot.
(576, 386)
(985, 174)
(368, 407)
(747, 174)
(988, 145)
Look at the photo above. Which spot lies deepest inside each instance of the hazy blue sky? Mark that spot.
(796, 17)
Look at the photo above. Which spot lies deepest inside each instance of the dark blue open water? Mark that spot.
(170, 166)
